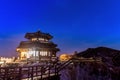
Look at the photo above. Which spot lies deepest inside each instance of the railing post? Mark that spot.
(55, 69)
(32, 73)
(20, 73)
(28, 72)
(41, 72)
(36, 70)
(6, 73)
(49, 72)
(0, 72)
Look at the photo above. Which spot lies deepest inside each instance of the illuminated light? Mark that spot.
(37, 53)
(43, 53)
(34, 39)
(18, 49)
(23, 54)
(33, 53)
(1, 62)
(6, 60)
(64, 57)
(40, 39)
(49, 53)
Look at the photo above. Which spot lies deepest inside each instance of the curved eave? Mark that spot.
(39, 49)
(31, 47)
(30, 44)
(38, 45)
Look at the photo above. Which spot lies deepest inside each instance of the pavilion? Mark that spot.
(38, 47)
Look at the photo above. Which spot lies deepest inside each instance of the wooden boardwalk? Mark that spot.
(38, 72)
(28, 73)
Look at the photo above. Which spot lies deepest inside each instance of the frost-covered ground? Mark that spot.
(88, 71)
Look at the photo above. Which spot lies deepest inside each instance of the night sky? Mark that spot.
(75, 24)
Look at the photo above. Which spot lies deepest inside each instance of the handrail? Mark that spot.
(61, 66)
(24, 72)
(33, 71)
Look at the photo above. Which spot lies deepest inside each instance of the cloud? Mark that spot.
(8, 45)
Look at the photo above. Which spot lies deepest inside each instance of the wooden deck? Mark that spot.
(28, 73)
(38, 72)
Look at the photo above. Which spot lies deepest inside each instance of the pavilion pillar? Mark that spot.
(39, 56)
(47, 53)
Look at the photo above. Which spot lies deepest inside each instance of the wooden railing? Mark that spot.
(30, 72)
(34, 72)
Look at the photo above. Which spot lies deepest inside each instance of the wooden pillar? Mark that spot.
(35, 55)
(20, 55)
(47, 53)
(39, 55)
(50, 55)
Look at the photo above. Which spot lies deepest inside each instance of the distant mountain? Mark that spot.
(108, 69)
(108, 55)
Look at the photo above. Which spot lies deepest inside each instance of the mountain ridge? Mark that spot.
(109, 55)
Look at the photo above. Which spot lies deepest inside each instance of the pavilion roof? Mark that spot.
(38, 34)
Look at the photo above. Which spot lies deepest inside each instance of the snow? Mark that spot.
(83, 72)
